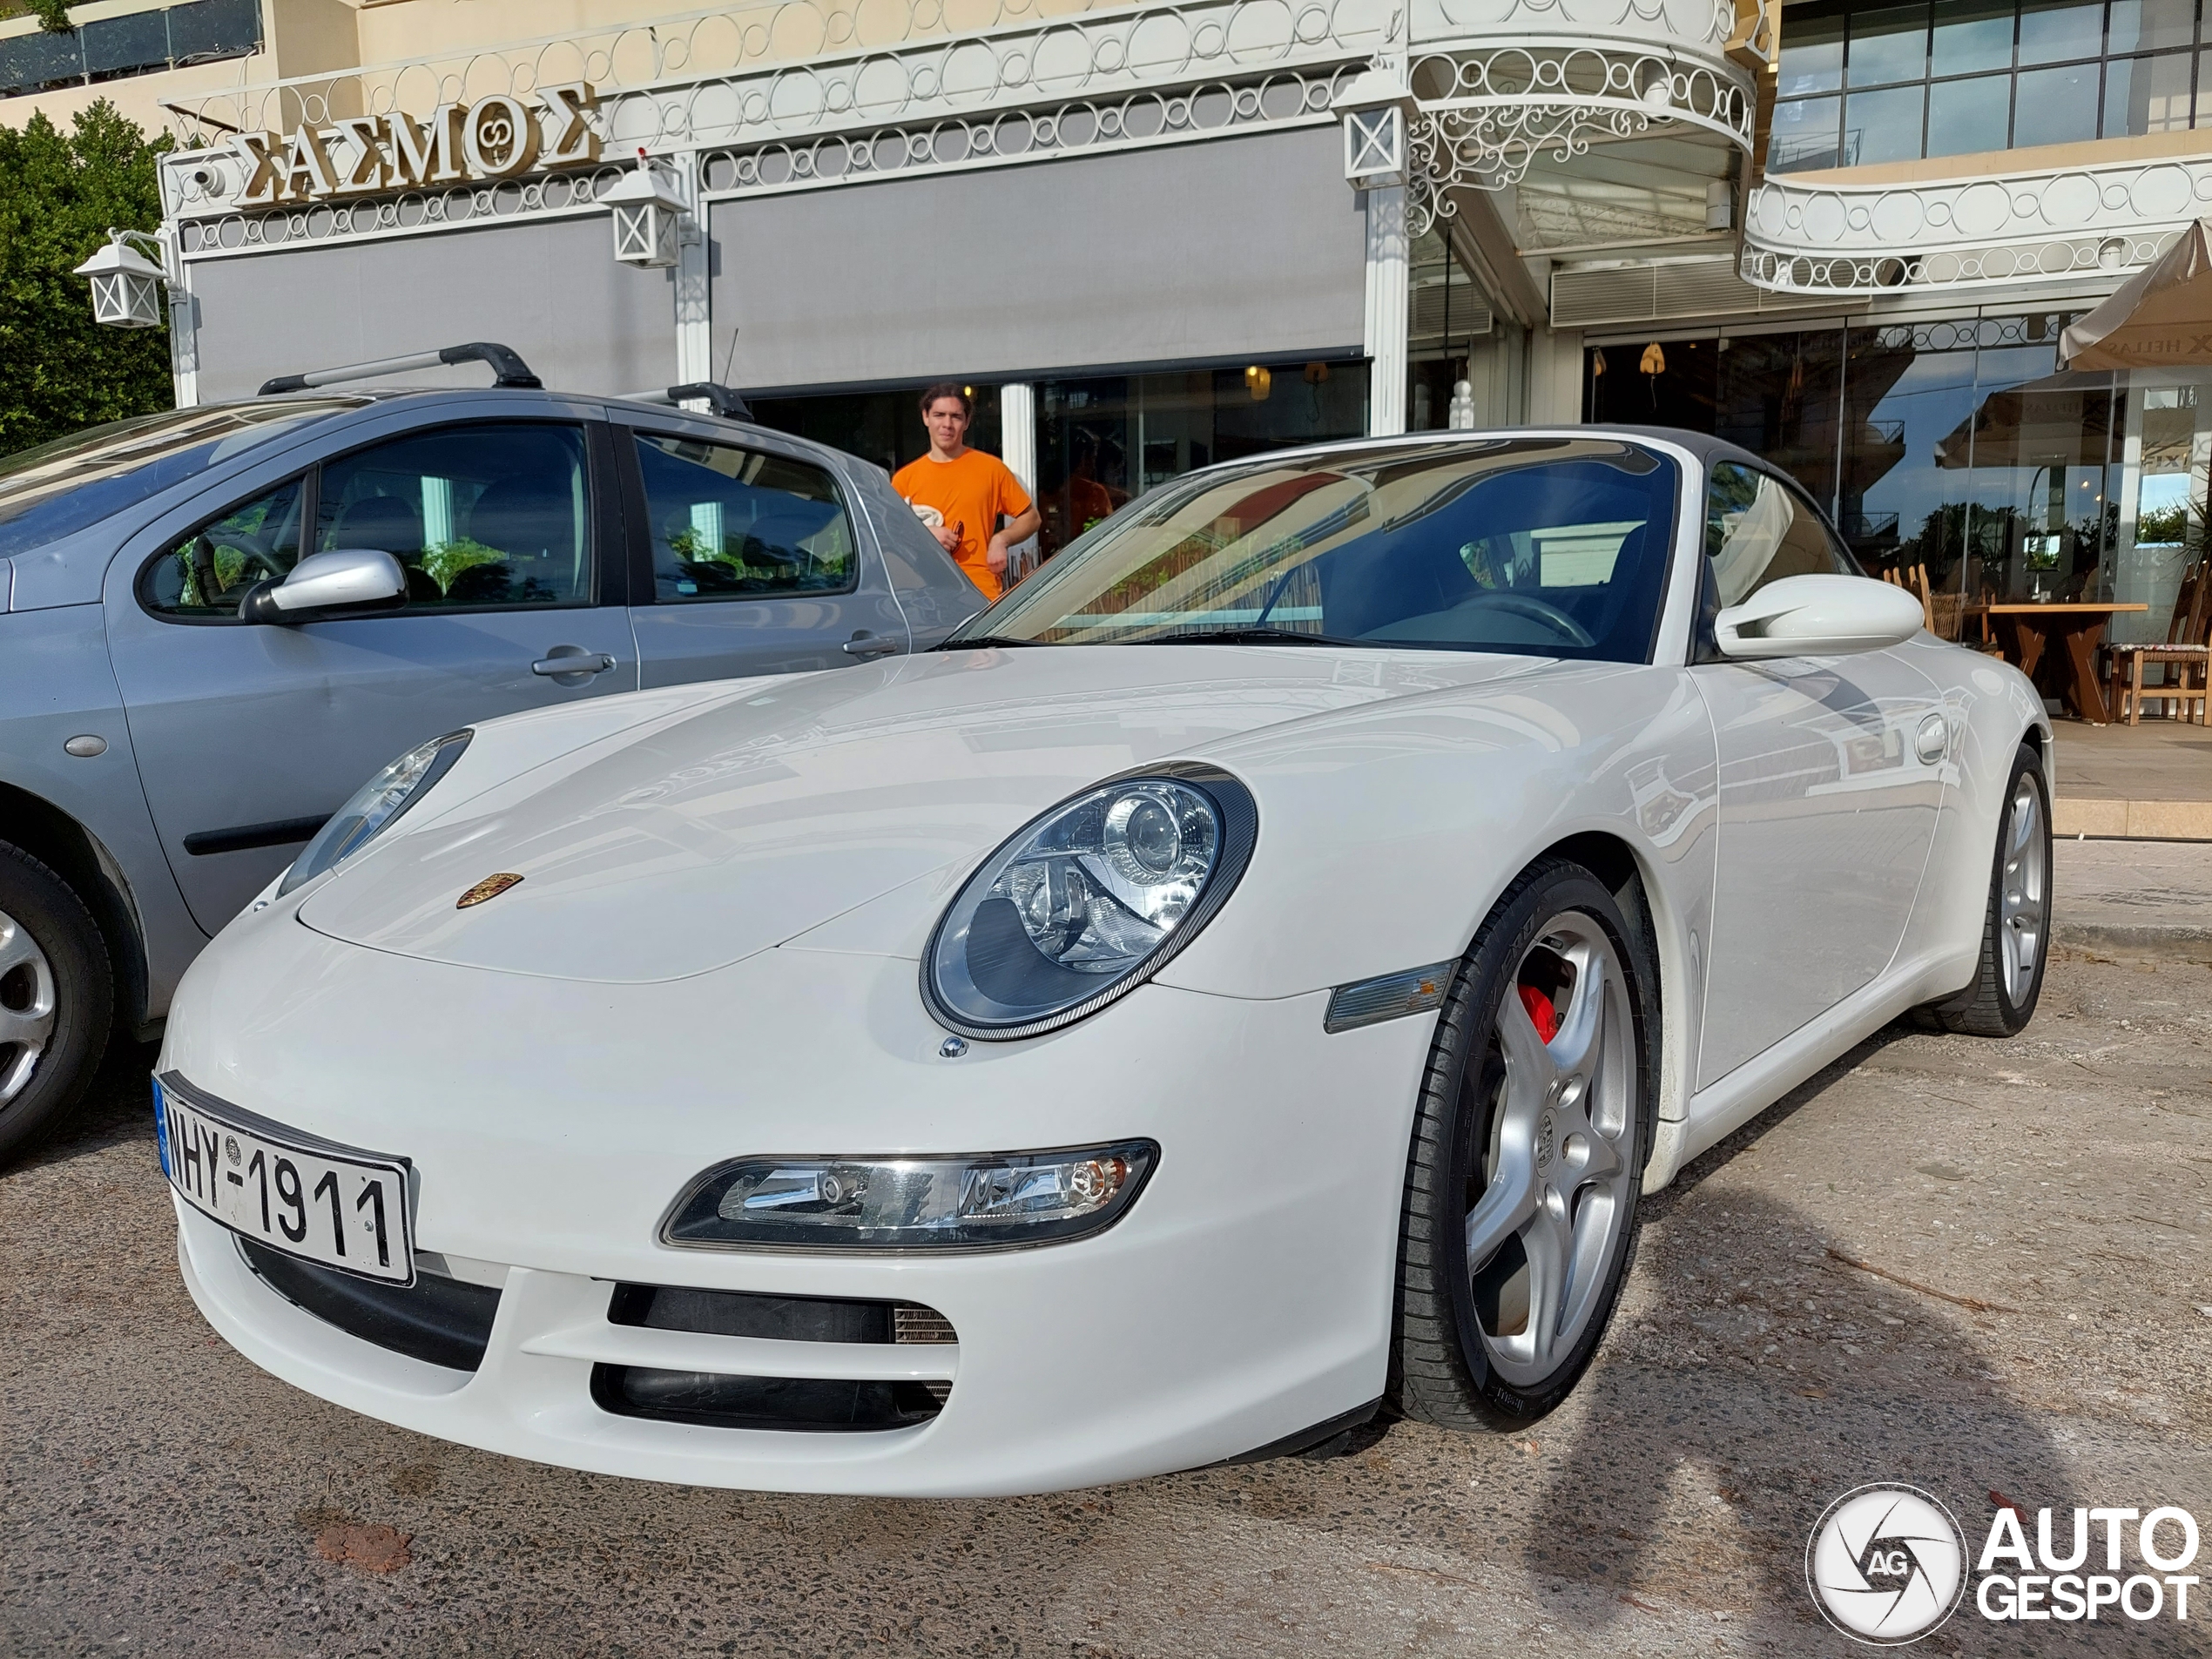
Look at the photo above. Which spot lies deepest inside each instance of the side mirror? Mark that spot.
(345, 582)
(1816, 616)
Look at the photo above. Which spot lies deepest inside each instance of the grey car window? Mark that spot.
(493, 514)
(1757, 531)
(735, 523)
(58, 489)
(205, 573)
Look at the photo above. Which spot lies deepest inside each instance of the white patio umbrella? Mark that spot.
(2161, 317)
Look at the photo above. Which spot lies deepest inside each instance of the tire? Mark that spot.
(57, 999)
(1560, 1181)
(2016, 927)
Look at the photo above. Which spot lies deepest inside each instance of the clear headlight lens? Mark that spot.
(1087, 902)
(910, 1203)
(371, 811)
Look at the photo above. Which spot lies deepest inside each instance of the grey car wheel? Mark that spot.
(26, 1007)
(2016, 927)
(1528, 1151)
(57, 999)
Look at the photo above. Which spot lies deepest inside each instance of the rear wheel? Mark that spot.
(1528, 1159)
(57, 999)
(2016, 927)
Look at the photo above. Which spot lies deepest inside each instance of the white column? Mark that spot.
(184, 319)
(184, 341)
(694, 301)
(1018, 448)
(1386, 278)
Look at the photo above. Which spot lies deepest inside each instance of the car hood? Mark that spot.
(763, 809)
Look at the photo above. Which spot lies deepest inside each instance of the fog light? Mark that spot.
(996, 1201)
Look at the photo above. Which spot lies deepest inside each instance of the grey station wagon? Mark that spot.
(216, 623)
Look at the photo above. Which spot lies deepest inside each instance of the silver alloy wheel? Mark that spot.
(2023, 891)
(1557, 1172)
(26, 1005)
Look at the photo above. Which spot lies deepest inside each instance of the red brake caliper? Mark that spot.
(1541, 1013)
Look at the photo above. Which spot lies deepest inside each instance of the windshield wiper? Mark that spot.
(1247, 635)
(978, 641)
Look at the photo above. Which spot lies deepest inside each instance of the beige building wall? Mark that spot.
(299, 36)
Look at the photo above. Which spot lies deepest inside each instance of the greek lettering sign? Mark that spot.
(499, 136)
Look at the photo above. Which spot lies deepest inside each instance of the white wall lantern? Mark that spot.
(126, 285)
(1373, 111)
(648, 211)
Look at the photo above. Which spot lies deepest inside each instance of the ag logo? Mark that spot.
(1886, 1564)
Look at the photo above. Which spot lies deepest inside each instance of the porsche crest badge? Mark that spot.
(490, 887)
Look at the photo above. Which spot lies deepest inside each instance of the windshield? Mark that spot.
(1552, 546)
(59, 488)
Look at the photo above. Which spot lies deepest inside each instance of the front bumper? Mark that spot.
(1246, 1295)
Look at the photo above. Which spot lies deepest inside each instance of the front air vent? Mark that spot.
(438, 1321)
(810, 1404)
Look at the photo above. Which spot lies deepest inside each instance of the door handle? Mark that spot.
(565, 661)
(868, 644)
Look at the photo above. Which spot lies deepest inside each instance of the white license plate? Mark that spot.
(323, 1203)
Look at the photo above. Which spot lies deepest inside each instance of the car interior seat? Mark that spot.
(531, 519)
(390, 525)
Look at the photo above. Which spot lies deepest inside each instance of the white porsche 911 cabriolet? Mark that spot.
(1245, 978)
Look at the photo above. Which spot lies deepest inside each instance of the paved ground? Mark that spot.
(157, 1493)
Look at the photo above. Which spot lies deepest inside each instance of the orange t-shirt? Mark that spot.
(971, 492)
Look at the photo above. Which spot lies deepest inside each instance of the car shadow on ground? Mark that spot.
(1762, 1375)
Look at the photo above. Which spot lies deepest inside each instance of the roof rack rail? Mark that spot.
(508, 368)
(725, 400)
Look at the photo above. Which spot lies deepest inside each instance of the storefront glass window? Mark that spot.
(1446, 314)
(1952, 79)
(1103, 442)
(884, 426)
(1960, 445)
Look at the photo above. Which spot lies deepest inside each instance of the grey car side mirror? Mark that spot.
(1816, 616)
(345, 582)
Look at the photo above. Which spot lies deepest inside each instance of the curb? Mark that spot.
(2183, 944)
(2132, 820)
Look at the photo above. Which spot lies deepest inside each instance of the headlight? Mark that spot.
(381, 800)
(1088, 902)
(991, 1203)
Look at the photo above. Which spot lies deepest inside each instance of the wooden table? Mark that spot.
(2027, 632)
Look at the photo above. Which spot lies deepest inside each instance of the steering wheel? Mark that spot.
(1535, 609)
(249, 546)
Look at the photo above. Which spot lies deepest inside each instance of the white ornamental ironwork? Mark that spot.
(1483, 117)
(1805, 237)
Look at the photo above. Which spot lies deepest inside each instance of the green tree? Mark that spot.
(59, 192)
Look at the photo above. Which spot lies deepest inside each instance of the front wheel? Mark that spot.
(1527, 1160)
(2016, 927)
(56, 999)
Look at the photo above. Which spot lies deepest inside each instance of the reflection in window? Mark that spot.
(732, 523)
(1758, 532)
(1552, 546)
(1989, 76)
(1103, 443)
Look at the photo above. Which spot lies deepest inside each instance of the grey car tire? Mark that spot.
(2016, 926)
(57, 999)
(1522, 1186)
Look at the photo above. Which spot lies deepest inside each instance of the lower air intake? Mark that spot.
(806, 1404)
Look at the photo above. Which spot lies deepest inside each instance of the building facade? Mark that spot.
(1153, 235)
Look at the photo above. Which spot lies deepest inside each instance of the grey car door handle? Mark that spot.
(578, 663)
(868, 645)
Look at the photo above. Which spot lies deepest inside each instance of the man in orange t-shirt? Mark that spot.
(968, 490)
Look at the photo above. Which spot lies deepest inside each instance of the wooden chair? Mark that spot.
(2185, 657)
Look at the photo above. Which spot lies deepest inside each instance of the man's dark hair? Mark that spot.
(949, 388)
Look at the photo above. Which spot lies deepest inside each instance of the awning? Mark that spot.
(2161, 317)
